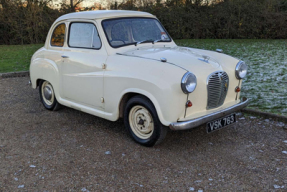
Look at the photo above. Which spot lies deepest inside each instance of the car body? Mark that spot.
(95, 62)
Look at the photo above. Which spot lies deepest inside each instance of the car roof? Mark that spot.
(100, 14)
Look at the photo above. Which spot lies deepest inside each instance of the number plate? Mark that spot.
(220, 123)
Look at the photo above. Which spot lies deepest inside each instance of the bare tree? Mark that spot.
(74, 4)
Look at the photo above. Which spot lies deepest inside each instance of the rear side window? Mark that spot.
(84, 35)
(58, 36)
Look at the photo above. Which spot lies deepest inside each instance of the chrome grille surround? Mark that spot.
(217, 88)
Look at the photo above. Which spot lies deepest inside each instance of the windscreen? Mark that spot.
(127, 31)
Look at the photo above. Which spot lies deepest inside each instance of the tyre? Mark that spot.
(142, 122)
(47, 96)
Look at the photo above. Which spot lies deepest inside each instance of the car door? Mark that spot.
(82, 67)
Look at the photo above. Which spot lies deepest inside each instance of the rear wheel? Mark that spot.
(47, 96)
(142, 122)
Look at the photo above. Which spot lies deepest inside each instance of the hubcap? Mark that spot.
(141, 122)
(47, 93)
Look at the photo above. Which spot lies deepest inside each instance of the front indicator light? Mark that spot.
(188, 104)
(237, 89)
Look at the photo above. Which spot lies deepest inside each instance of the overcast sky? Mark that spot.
(88, 3)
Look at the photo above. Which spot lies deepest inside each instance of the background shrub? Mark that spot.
(28, 22)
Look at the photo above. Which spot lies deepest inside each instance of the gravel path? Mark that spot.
(66, 150)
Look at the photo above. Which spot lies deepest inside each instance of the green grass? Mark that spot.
(16, 57)
(266, 82)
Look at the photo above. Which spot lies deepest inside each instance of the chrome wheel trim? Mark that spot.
(48, 93)
(141, 122)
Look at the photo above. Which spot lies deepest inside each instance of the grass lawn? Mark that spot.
(16, 57)
(266, 82)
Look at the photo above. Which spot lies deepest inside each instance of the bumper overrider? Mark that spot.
(204, 119)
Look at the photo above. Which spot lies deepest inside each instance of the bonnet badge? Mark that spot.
(204, 58)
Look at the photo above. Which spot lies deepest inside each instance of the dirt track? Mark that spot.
(70, 150)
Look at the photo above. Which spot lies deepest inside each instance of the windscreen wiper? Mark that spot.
(145, 41)
(159, 40)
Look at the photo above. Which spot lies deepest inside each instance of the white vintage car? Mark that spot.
(124, 64)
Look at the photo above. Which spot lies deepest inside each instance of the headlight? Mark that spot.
(241, 70)
(188, 82)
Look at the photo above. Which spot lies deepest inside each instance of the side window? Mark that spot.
(58, 35)
(84, 35)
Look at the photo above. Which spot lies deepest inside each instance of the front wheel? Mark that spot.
(47, 96)
(142, 122)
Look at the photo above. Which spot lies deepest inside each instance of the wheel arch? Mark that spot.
(38, 82)
(51, 73)
(131, 93)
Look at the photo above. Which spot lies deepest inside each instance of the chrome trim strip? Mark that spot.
(184, 125)
(149, 59)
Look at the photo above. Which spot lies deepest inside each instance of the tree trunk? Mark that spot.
(72, 6)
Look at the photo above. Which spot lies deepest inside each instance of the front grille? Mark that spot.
(217, 88)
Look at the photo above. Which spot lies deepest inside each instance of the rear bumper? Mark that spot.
(204, 119)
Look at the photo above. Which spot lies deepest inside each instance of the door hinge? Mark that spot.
(102, 100)
(104, 66)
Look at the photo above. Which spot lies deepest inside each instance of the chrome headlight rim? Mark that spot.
(184, 80)
(237, 69)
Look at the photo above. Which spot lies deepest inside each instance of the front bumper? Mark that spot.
(204, 119)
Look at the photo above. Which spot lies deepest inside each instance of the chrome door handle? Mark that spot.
(64, 56)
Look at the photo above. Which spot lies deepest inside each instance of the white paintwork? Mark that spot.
(103, 14)
(81, 82)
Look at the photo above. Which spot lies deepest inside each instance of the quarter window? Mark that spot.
(58, 36)
(84, 35)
